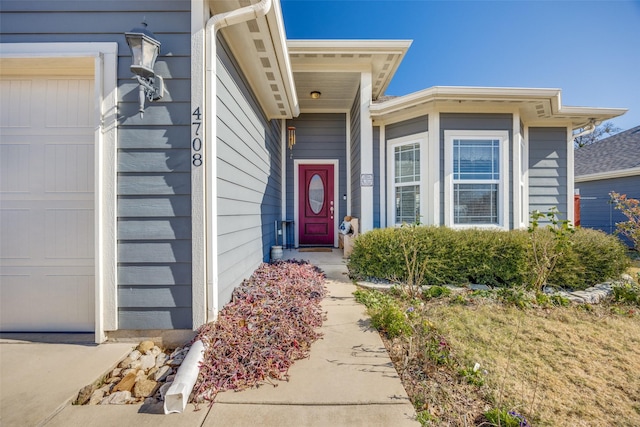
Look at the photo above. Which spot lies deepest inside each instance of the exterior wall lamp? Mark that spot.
(291, 134)
(144, 51)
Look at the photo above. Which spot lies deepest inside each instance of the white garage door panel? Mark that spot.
(47, 214)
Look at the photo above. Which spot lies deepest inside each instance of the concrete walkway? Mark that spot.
(348, 380)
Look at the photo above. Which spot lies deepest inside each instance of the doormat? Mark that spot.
(315, 250)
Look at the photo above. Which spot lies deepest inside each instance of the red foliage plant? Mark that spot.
(269, 323)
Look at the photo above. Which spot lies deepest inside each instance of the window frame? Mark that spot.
(503, 181)
(420, 140)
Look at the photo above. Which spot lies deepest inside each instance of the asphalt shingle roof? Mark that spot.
(618, 152)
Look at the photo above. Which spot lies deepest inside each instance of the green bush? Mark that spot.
(489, 257)
(436, 292)
(627, 293)
(450, 256)
(386, 314)
(593, 257)
(391, 320)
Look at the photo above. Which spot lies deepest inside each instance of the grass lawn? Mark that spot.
(556, 366)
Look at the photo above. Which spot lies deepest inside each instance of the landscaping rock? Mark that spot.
(145, 346)
(97, 397)
(126, 384)
(162, 373)
(147, 362)
(117, 398)
(84, 395)
(161, 359)
(135, 355)
(139, 375)
(144, 388)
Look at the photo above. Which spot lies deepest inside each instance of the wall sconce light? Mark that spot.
(291, 134)
(144, 51)
(315, 94)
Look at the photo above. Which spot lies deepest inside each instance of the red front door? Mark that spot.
(316, 205)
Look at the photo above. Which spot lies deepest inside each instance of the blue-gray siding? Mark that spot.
(154, 224)
(248, 174)
(464, 121)
(319, 136)
(596, 210)
(356, 154)
(548, 169)
(407, 127)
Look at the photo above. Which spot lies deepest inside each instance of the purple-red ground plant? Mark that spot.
(270, 322)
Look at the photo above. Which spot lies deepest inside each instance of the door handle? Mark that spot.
(331, 211)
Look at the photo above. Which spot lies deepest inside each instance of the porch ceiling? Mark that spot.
(259, 47)
(334, 67)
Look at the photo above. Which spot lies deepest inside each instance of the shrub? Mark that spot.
(386, 314)
(500, 417)
(440, 255)
(593, 257)
(436, 292)
(391, 320)
(556, 255)
(631, 209)
(627, 293)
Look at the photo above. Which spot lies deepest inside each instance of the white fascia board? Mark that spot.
(445, 93)
(279, 37)
(349, 46)
(586, 114)
(622, 173)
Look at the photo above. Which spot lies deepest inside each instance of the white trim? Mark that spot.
(296, 188)
(198, 210)
(366, 152)
(503, 191)
(433, 217)
(570, 176)
(525, 177)
(621, 173)
(383, 188)
(517, 172)
(421, 139)
(105, 139)
(283, 170)
(348, 161)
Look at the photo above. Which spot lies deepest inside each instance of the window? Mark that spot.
(404, 163)
(407, 182)
(477, 167)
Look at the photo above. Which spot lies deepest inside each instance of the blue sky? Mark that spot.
(589, 49)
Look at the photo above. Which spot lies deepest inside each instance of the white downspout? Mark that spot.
(586, 131)
(214, 24)
(178, 394)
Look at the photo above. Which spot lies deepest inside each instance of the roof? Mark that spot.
(612, 157)
(537, 106)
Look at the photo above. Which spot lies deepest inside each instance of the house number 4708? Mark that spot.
(196, 141)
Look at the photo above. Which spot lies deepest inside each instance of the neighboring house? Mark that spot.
(611, 164)
(116, 223)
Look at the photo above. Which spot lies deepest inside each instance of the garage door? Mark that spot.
(46, 203)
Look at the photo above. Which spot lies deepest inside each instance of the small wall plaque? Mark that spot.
(366, 180)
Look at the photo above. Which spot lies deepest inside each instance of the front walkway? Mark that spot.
(348, 380)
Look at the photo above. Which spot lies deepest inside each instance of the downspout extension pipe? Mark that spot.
(177, 396)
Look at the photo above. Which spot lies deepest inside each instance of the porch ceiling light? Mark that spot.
(144, 51)
(315, 94)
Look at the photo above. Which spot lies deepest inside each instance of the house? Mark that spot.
(611, 164)
(117, 223)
